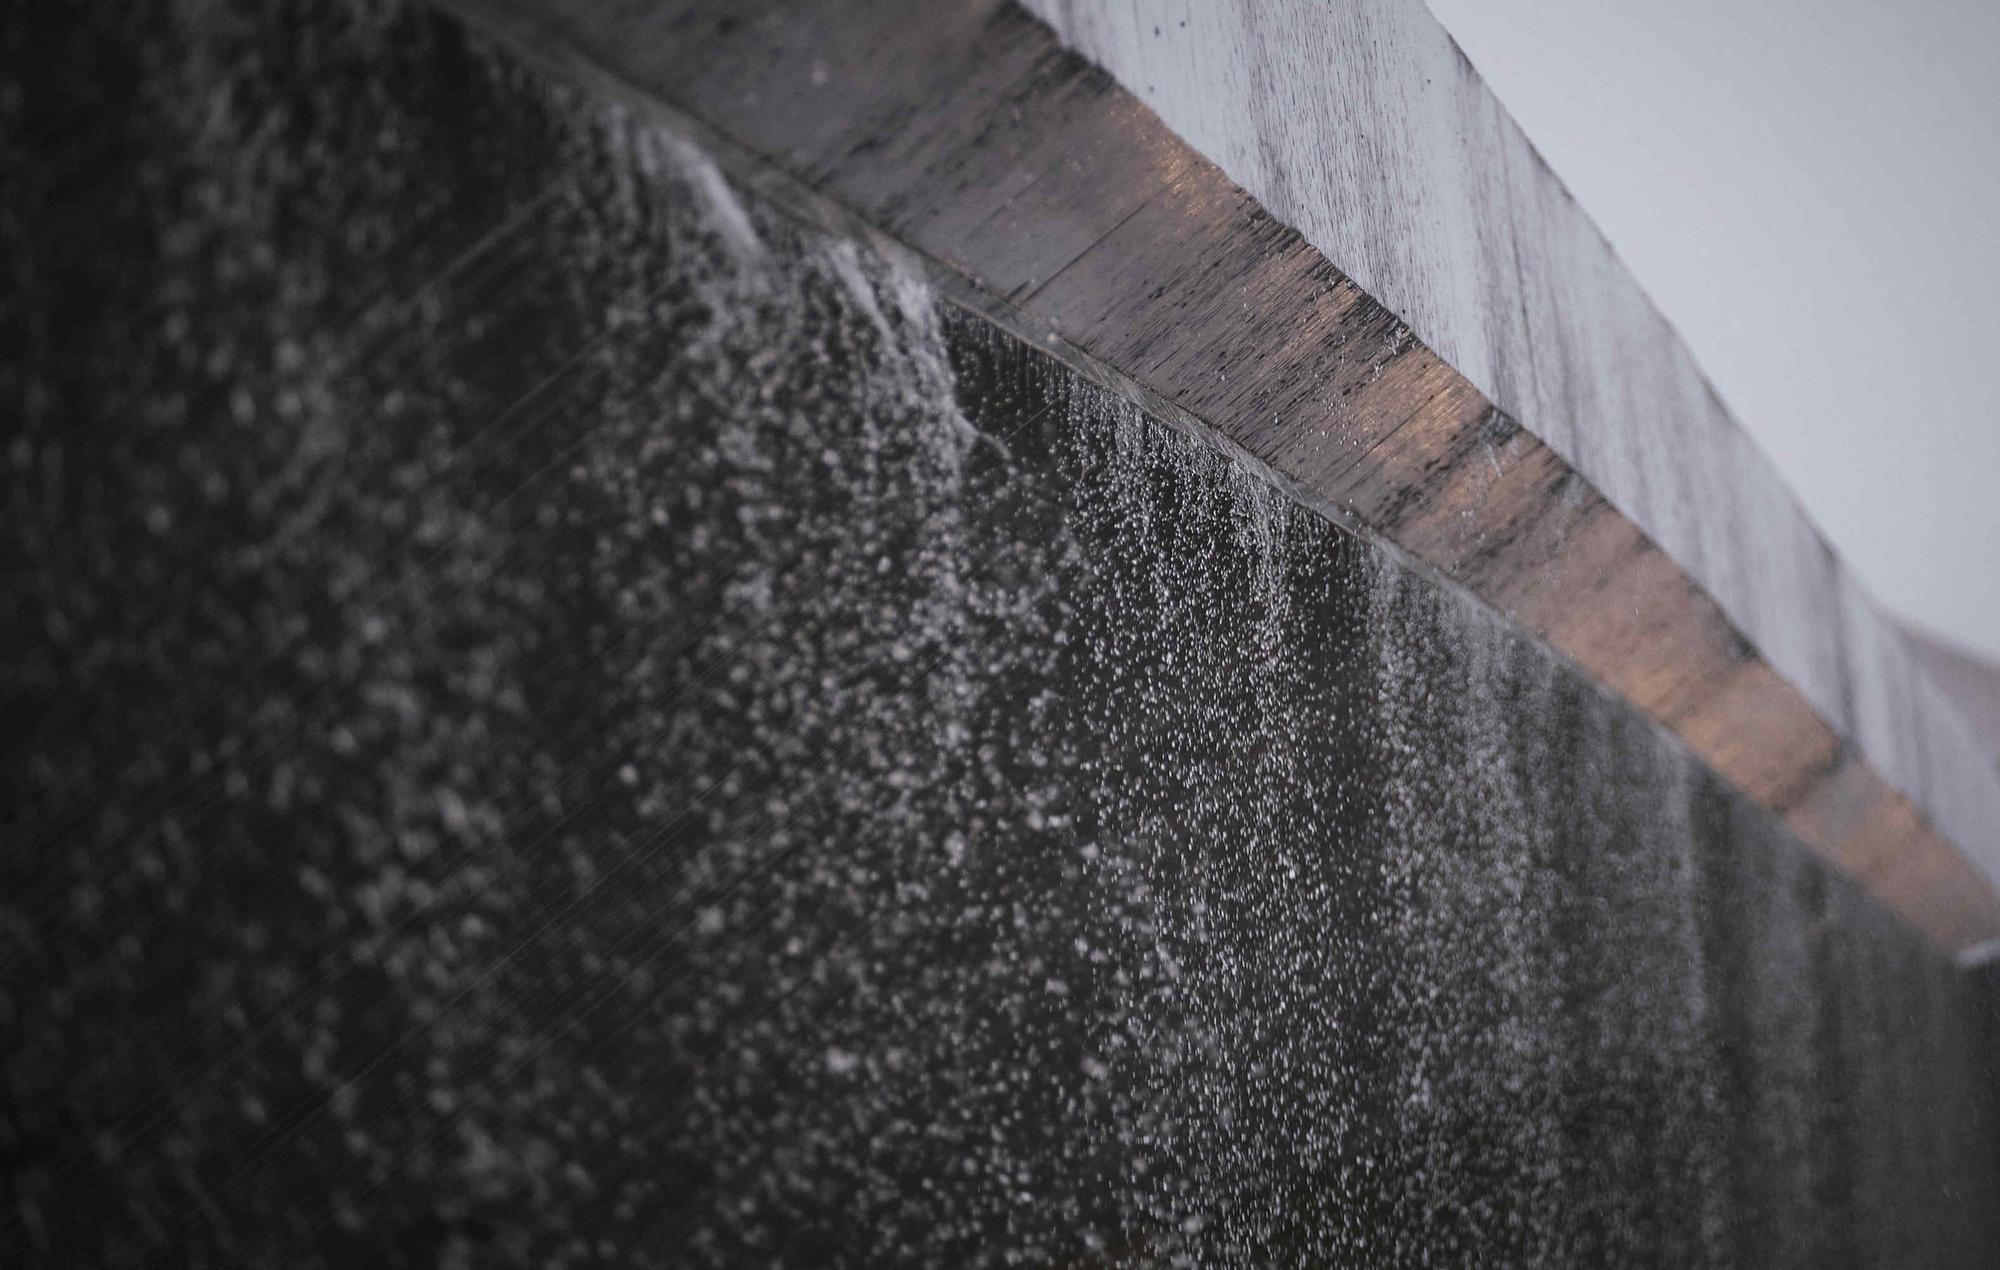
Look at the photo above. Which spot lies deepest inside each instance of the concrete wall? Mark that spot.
(572, 717)
(1361, 124)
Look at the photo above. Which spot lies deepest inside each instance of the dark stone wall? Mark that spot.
(561, 717)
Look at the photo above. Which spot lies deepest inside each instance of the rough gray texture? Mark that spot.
(570, 720)
(1973, 680)
(1361, 124)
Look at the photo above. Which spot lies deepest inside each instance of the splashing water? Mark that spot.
(623, 730)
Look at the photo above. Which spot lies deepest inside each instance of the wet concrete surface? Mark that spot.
(563, 717)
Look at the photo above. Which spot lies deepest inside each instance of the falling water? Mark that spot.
(571, 718)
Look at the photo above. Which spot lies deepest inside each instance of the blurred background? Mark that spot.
(1806, 190)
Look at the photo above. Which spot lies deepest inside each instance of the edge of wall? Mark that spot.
(1041, 194)
(1362, 123)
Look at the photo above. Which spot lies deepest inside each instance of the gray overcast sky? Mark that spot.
(1810, 191)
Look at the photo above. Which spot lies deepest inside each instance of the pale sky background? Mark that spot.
(1810, 192)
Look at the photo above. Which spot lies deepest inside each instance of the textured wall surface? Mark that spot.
(566, 718)
(1360, 123)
